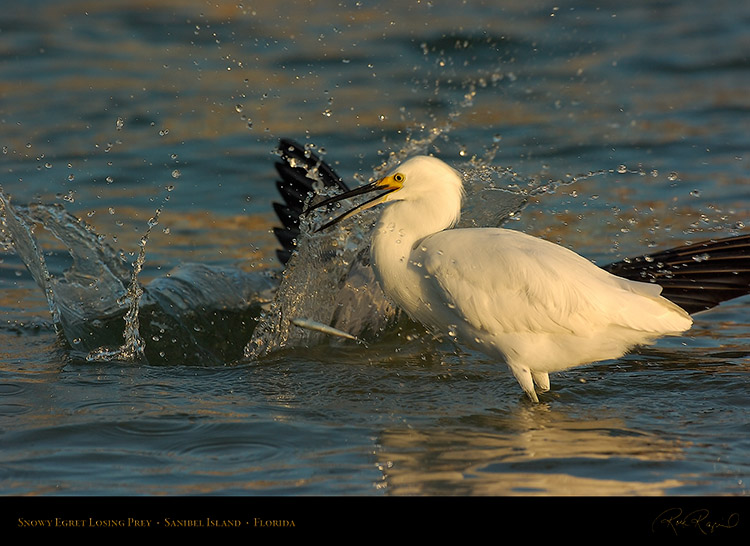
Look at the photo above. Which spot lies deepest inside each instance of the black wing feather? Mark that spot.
(295, 167)
(696, 277)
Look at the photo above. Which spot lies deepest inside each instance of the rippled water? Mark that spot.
(116, 110)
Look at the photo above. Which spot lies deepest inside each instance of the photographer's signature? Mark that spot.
(701, 520)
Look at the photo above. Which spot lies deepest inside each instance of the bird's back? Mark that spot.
(535, 301)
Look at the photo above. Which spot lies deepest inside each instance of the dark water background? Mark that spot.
(105, 105)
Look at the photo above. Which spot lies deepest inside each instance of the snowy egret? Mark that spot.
(535, 305)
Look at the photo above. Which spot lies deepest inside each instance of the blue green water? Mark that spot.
(103, 106)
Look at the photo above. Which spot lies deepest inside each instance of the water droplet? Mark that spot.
(176, 173)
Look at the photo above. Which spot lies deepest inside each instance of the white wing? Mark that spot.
(539, 296)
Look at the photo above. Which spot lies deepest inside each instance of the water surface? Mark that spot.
(116, 110)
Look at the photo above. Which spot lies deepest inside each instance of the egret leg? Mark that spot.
(523, 376)
(542, 380)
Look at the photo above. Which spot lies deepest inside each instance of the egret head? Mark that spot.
(419, 179)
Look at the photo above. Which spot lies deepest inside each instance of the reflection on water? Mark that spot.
(536, 451)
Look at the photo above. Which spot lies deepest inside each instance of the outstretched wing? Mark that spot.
(696, 277)
(299, 169)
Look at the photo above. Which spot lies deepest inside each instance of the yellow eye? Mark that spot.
(398, 177)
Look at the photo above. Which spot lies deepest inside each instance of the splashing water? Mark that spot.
(26, 245)
(312, 286)
(132, 350)
(196, 313)
(96, 268)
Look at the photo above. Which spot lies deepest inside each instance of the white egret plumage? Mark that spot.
(535, 305)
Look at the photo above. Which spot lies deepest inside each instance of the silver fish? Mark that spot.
(320, 327)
